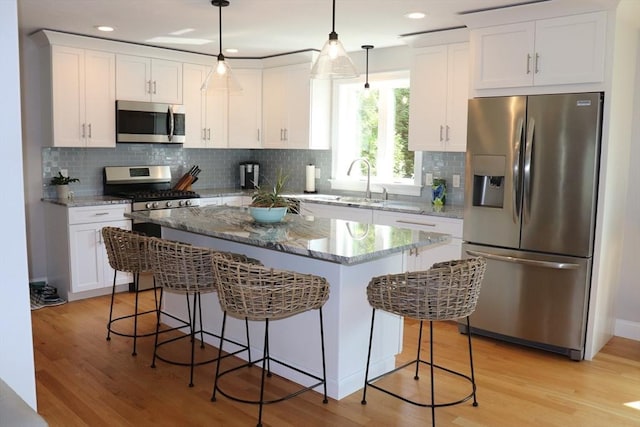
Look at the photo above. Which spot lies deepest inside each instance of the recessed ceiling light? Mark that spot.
(231, 50)
(105, 28)
(415, 15)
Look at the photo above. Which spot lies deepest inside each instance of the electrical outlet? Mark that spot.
(64, 172)
(317, 173)
(456, 181)
(428, 179)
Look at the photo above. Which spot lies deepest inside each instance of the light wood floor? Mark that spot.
(84, 380)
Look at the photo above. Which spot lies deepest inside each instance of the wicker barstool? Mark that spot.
(186, 269)
(447, 291)
(265, 294)
(127, 252)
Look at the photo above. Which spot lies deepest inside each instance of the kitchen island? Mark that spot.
(347, 254)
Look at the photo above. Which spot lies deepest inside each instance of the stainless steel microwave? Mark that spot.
(149, 122)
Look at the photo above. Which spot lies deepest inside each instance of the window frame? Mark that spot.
(338, 180)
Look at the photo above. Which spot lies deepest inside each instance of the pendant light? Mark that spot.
(220, 78)
(366, 82)
(333, 61)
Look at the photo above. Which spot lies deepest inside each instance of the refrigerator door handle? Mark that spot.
(517, 143)
(531, 262)
(528, 172)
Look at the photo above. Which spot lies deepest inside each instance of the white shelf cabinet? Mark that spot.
(245, 110)
(206, 126)
(139, 78)
(557, 51)
(439, 96)
(425, 257)
(77, 263)
(295, 108)
(83, 97)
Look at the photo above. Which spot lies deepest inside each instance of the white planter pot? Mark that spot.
(63, 192)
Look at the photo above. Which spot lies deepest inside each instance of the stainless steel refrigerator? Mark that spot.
(530, 208)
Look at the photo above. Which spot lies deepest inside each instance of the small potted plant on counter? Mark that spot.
(267, 204)
(61, 183)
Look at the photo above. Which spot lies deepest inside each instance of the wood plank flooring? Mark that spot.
(84, 380)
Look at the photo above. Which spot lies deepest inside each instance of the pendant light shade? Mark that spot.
(220, 77)
(367, 47)
(333, 61)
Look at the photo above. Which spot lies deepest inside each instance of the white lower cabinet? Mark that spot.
(425, 257)
(77, 262)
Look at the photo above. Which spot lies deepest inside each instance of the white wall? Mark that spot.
(16, 348)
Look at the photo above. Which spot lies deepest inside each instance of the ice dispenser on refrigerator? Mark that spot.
(488, 181)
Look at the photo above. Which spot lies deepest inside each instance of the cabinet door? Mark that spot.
(274, 107)
(133, 78)
(245, 111)
(457, 97)
(570, 49)
(194, 104)
(166, 81)
(298, 106)
(87, 270)
(502, 55)
(427, 110)
(216, 119)
(100, 98)
(67, 69)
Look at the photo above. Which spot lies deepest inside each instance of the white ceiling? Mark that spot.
(257, 28)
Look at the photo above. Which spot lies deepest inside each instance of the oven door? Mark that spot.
(149, 122)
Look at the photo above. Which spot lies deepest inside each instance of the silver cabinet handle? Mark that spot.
(286, 134)
(535, 65)
(258, 135)
(441, 128)
(447, 133)
(84, 129)
(154, 87)
(203, 134)
(426, 224)
(528, 63)
(208, 134)
(89, 130)
(149, 86)
(531, 262)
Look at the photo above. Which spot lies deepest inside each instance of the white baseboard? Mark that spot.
(627, 329)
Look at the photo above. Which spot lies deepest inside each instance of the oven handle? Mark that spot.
(531, 262)
(171, 123)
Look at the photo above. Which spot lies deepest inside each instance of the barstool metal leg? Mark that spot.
(136, 282)
(416, 376)
(473, 377)
(324, 365)
(194, 320)
(433, 388)
(113, 294)
(366, 371)
(265, 364)
(246, 324)
(215, 380)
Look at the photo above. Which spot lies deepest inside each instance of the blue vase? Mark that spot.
(438, 192)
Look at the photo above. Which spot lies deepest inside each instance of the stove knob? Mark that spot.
(181, 203)
(148, 205)
(154, 205)
(169, 204)
(188, 203)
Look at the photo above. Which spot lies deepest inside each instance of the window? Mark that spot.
(374, 126)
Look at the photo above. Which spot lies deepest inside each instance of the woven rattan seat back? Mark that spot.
(258, 293)
(184, 268)
(446, 291)
(126, 250)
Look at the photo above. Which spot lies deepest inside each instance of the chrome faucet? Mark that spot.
(362, 159)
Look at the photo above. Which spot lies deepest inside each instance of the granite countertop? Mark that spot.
(447, 211)
(76, 201)
(332, 240)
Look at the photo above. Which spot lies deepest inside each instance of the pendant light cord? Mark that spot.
(220, 26)
(333, 19)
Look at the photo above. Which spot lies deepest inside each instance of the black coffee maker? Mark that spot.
(249, 175)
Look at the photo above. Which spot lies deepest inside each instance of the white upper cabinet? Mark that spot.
(140, 78)
(439, 95)
(295, 108)
(206, 125)
(556, 51)
(245, 110)
(83, 97)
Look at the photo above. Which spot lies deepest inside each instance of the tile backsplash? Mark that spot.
(220, 166)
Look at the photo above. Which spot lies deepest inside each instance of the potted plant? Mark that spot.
(267, 204)
(61, 183)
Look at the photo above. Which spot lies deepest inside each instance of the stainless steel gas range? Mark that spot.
(148, 188)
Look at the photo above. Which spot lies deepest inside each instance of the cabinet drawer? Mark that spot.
(450, 226)
(89, 214)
